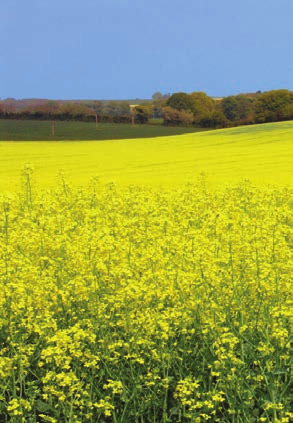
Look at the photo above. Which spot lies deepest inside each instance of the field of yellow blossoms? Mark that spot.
(145, 305)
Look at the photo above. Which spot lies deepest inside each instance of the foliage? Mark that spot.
(131, 304)
(120, 118)
(201, 104)
(238, 108)
(246, 106)
(158, 96)
(215, 119)
(109, 111)
(230, 109)
(143, 113)
(180, 101)
(207, 113)
(285, 112)
(268, 105)
(115, 108)
(74, 111)
(96, 105)
(175, 117)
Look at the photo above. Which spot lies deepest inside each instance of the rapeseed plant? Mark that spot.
(136, 304)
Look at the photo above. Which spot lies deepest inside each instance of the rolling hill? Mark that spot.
(262, 153)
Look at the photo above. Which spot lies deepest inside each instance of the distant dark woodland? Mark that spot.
(179, 109)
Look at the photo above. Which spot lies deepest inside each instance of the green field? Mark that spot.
(262, 153)
(34, 130)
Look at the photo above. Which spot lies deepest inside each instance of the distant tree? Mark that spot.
(269, 105)
(45, 110)
(180, 101)
(115, 108)
(245, 105)
(158, 102)
(121, 119)
(157, 111)
(186, 118)
(174, 117)
(143, 113)
(169, 115)
(238, 108)
(157, 96)
(230, 108)
(52, 105)
(285, 113)
(201, 104)
(9, 105)
(75, 111)
(96, 105)
(215, 119)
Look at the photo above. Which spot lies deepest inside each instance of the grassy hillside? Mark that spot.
(26, 130)
(262, 153)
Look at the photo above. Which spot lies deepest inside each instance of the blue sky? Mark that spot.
(126, 49)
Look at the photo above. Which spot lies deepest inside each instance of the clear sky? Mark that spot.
(126, 49)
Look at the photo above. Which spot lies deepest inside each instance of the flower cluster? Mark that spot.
(131, 304)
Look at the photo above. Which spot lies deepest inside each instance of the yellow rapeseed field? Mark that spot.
(262, 153)
(130, 302)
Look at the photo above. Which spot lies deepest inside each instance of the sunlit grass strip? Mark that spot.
(142, 305)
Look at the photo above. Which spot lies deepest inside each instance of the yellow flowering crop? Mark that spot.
(134, 304)
(262, 153)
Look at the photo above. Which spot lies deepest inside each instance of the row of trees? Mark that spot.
(111, 111)
(59, 111)
(178, 109)
(203, 111)
(200, 110)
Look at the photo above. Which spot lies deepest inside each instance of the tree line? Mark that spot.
(244, 109)
(179, 109)
(75, 111)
